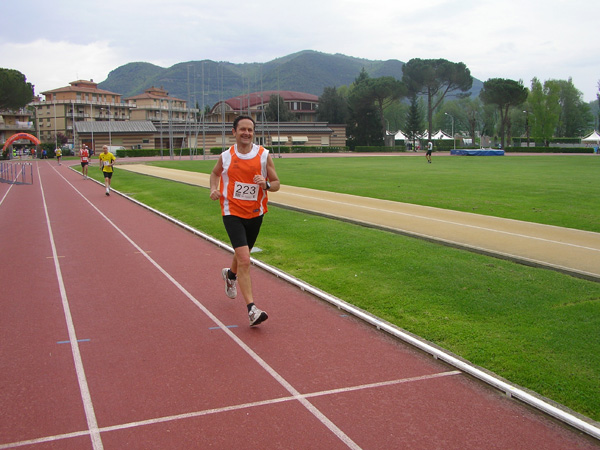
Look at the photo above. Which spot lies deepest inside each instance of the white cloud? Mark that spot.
(516, 39)
(52, 64)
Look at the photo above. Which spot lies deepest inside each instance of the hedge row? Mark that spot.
(219, 150)
(549, 150)
(559, 140)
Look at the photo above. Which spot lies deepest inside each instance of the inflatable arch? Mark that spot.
(16, 137)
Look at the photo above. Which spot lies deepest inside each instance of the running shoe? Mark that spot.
(230, 288)
(257, 316)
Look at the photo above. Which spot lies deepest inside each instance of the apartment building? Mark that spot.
(81, 101)
(15, 122)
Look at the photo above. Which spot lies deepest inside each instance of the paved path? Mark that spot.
(115, 332)
(565, 249)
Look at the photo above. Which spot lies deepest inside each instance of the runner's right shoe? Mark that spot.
(230, 288)
(257, 316)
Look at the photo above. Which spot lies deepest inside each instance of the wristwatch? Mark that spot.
(268, 185)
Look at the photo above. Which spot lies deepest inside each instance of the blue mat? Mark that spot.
(478, 152)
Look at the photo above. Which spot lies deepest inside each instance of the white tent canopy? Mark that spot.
(400, 136)
(440, 135)
(594, 137)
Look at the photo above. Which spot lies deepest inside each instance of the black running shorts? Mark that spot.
(241, 231)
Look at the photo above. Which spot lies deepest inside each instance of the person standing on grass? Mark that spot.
(107, 159)
(429, 150)
(240, 181)
(84, 154)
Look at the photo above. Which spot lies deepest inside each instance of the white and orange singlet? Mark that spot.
(240, 196)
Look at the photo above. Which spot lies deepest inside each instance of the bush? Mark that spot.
(311, 149)
(216, 151)
(559, 140)
(373, 149)
(549, 150)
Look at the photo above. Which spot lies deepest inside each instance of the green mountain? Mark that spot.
(306, 71)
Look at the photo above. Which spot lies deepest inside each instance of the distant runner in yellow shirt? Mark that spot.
(107, 160)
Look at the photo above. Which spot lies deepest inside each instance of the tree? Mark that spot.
(15, 91)
(414, 121)
(386, 91)
(435, 78)
(472, 110)
(575, 115)
(333, 107)
(277, 110)
(395, 116)
(598, 97)
(504, 94)
(364, 122)
(544, 102)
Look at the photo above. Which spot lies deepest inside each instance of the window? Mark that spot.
(299, 140)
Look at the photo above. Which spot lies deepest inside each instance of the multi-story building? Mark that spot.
(15, 122)
(156, 106)
(86, 114)
(302, 105)
(81, 101)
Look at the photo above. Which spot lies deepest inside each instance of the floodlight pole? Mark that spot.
(453, 140)
(527, 125)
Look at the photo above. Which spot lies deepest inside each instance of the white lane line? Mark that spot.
(282, 381)
(447, 222)
(279, 400)
(58, 437)
(83, 386)
(6, 194)
(238, 407)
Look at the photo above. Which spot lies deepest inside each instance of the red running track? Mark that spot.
(116, 333)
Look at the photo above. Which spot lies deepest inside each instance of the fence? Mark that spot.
(16, 172)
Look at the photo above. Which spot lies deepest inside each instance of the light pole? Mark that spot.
(92, 127)
(453, 140)
(55, 128)
(527, 124)
(109, 135)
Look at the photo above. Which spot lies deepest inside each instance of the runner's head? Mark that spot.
(243, 131)
(238, 118)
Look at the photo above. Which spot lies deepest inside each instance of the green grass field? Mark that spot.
(535, 327)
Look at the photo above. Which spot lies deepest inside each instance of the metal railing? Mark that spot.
(16, 172)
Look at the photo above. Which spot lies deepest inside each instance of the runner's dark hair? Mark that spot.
(238, 118)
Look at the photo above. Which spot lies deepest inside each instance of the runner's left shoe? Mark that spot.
(257, 316)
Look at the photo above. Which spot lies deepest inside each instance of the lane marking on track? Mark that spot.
(241, 406)
(86, 397)
(261, 362)
(68, 342)
(281, 400)
(447, 222)
(6, 194)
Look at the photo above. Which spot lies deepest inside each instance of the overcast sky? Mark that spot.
(54, 43)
